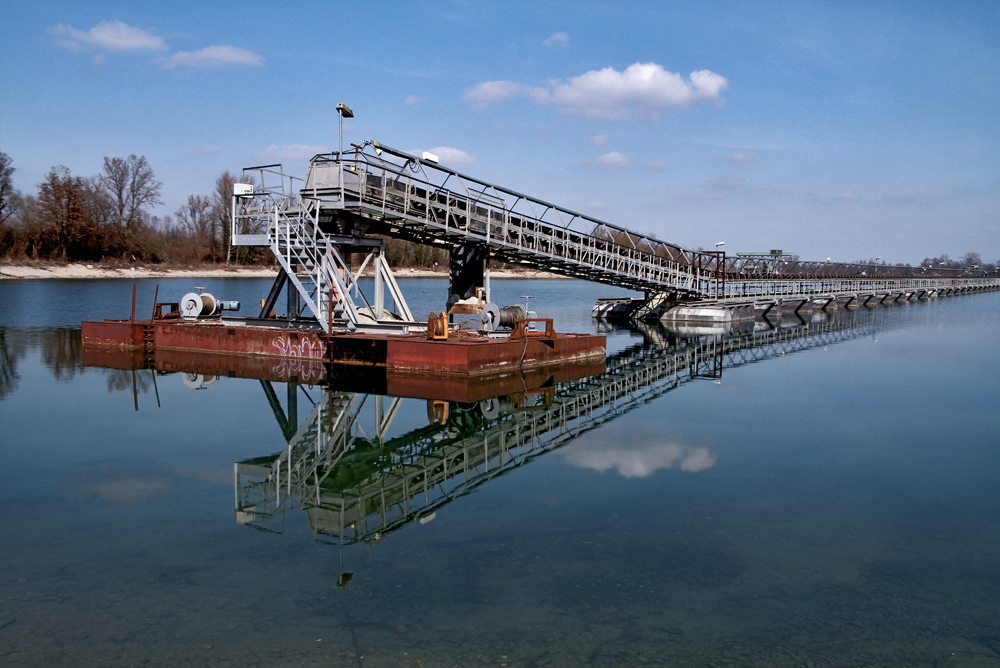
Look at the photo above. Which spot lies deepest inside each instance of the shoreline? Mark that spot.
(93, 271)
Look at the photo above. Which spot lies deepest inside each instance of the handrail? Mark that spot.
(428, 202)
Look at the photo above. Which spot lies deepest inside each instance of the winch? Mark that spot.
(201, 304)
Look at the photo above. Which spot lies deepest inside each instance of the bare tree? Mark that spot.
(195, 218)
(71, 232)
(97, 202)
(132, 188)
(9, 197)
(222, 213)
(971, 260)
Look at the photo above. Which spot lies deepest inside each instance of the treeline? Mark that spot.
(107, 218)
(967, 261)
(402, 253)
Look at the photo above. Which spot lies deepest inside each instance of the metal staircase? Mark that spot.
(314, 266)
(282, 219)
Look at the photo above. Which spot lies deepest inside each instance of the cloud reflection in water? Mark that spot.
(122, 491)
(640, 457)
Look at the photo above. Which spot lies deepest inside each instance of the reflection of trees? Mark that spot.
(62, 352)
(120, 380)
(8, 367)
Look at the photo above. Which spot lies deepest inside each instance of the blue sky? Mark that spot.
(829, 129)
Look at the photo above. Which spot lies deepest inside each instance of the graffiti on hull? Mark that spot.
(307, 347)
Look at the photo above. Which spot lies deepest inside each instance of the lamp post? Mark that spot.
(345, 112)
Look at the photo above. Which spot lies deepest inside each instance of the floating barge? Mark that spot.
(462, 353)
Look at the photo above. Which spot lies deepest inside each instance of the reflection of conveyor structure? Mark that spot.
(356, 486)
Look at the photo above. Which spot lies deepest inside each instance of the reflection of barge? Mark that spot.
(368, 380)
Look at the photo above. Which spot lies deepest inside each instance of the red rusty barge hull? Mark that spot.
(462, 355)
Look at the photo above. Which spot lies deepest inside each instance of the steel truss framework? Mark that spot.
(356, 487)
(313, 259)
(382, 190)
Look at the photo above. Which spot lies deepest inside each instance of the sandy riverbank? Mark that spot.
(25, 271)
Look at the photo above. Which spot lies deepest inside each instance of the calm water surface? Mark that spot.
(829, 500)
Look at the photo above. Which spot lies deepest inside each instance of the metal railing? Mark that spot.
(418, 199)
(280, 217)
(391, 192)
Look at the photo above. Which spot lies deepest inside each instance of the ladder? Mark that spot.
(313, 261)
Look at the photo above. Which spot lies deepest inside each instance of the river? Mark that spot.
(824, 494)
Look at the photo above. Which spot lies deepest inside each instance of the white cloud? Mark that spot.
(611, 160)
(843, 198)
(558, 39)
(599, 140)
(616, 160)
(208, 150)
(451, 157)
(491, 91)
(289, 152)
(213, 56)
(741, 157)
(719, 188)
(119, 36)
(728, 182)
(413, 99)
(642, 89)
(111, 35)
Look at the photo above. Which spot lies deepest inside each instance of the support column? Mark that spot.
(379, 297)
(467, 272)
(293, 406)
(486, 283)
(267, 308)
(293, 306)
